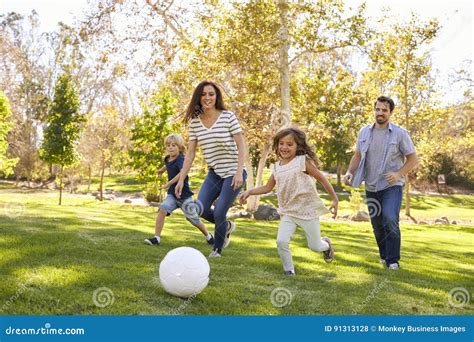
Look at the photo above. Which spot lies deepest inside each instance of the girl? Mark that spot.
(173, 164)
(218, 132)
(298, 201)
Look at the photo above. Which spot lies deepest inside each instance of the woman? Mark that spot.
(218, 133)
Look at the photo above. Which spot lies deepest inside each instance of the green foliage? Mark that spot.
(153, 193)
(355, 200)
(401, 68)
(451, 155)
(6, 164)
(64, 124)
(329, 105)
(104, 140)
(148, 134)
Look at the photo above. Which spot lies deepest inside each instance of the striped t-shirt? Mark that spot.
(217, 143)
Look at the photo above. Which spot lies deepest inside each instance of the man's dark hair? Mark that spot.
(387, 100)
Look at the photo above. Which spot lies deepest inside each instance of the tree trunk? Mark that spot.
(250, 182)
(252, 206)
(407, 127)
(89, 181)
(71, 183)
(283, 65)
(101, 188)
(339, 171)
(61, 184)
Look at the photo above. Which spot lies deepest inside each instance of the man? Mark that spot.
(384, 155)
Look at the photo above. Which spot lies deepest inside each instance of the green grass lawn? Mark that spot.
(53, 259)
(122, 183)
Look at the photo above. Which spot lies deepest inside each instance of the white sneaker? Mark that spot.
(230, 230)
(215, 254)
(393, 266)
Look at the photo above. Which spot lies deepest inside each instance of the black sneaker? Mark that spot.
(289, 273)
(152, 241)
(211, 240)
(329, 254)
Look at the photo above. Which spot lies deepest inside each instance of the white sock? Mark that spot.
(209, 236)
(158, 238)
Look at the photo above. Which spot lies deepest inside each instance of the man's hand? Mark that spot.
(348, 178)
(392, 177)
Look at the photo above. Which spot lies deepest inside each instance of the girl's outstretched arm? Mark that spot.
(313, 171)
(258, 191)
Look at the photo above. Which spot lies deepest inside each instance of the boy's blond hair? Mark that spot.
(178, 140)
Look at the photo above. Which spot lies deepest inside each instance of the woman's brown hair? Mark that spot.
(194, 108)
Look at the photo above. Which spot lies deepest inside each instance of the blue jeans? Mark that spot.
(215, 187)
(384, 209)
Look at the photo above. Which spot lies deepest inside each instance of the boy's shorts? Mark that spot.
(188, 207)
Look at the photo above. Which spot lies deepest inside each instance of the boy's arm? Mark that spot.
(161, 170)
(188, 161)
(171, 182)
(313, 171)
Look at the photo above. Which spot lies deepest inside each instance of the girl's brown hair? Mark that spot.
(194, 108)
(303, 147)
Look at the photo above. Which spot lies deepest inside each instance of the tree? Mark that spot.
(63, 128)
(105, 136)
(148, 133)
(401, 68)
(328, 103)
(6, 163)
(283, 63)
(251, 49)
(25, 79)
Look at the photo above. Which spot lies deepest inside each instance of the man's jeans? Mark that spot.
(215, 187)
(384, 209)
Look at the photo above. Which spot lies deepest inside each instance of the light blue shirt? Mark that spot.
(396, 147)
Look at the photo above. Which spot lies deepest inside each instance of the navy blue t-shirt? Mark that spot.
(173, 168)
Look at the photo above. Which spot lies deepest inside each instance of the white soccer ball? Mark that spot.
(184, 272)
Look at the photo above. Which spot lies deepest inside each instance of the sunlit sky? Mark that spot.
(450, 49)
